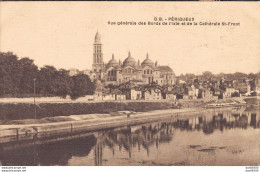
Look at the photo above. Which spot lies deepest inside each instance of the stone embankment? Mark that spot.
(79, 124)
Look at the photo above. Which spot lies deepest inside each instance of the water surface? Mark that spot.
(220, 138)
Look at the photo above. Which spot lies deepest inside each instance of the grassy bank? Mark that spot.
(26, 111)
(252, 101)
(18, 111)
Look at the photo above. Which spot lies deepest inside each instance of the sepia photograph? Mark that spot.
(129, 84)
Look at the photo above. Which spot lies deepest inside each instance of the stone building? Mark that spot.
(115, 72)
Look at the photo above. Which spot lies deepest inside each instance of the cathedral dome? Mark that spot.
(129, 61)
(147, 61)
(112, 62)
(97, 38)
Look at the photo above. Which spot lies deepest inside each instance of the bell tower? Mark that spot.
(98, 64)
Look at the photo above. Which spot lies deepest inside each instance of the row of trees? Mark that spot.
(17, 79)
(207, 75)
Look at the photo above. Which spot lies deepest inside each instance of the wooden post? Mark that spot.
(34, 98)
(17, 134)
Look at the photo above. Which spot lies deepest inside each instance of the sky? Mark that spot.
(62, 34)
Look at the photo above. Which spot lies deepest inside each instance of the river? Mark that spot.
(230, 137)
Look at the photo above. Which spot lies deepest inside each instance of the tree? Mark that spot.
(63, 83)
(17, 79)
(45, 80)
(251, 76)
(10, 74)
(29, 72)
(111, 87)
(81, 86)
(51, 81)
(240, 75)
(190, 76)
(258, 74)
(235, 94)
(208, 75)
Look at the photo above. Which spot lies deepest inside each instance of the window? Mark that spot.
(144, 71)
(147, 71)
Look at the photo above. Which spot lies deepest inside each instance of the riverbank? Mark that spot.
(20, 111)
(78, 123)
(89, 122)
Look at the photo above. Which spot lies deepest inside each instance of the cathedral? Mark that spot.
(115, 72)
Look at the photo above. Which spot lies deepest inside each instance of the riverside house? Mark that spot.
(133, 94)
(193, 92)
(152, 94)
(229, 91)
(168, 95)
(206, 94)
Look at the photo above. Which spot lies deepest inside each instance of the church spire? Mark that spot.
(97, 38)
(147, 56)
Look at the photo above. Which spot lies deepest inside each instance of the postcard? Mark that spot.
(129, 84)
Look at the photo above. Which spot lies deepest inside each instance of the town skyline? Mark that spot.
(49, 39)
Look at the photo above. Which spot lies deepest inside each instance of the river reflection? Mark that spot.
(220, 138)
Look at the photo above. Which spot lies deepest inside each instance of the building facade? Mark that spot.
(115, 72)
